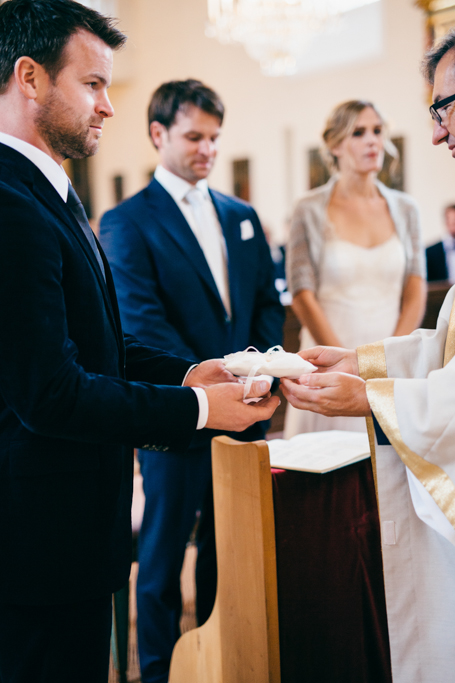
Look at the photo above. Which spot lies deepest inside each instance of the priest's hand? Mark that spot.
(331, 394)
(209, 372)
(332, 359)
(227, 411)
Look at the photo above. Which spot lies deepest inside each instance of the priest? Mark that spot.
(405, 387)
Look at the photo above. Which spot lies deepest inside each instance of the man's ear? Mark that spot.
(157, 131)
(31, 78)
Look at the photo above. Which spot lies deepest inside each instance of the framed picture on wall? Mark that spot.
(392, 173)
(241, 178)
(318, 172)
(118, 188)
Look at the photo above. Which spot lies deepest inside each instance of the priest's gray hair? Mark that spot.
(437, 52)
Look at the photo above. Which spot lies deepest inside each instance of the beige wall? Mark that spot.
(166, 41)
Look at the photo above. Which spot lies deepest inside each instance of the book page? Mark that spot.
(319, 451)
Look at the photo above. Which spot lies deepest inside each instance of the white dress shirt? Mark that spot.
(48, 167)
(59, 180)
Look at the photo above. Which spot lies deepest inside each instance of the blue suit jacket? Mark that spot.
(167, 294)
(436, 262)
(69, 417)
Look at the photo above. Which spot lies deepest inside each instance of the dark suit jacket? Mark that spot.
(167, 294)
(436, 262)
(75, 397)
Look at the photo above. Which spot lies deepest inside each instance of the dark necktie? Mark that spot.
(78, 211)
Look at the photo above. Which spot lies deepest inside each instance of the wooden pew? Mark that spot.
(239, 643)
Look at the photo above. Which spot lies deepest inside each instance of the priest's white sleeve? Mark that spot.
(413, 398)
(416, 355)
(410, 384)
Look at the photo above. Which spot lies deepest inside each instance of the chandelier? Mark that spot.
(275, 32)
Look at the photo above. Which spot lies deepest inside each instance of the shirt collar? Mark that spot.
(177, 187)
(48, 167)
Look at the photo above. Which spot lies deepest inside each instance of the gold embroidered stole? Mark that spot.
(380, 393)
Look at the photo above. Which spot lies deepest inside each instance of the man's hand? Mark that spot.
(209, 372)
(227, 411)
(330, 394)
(332, 359)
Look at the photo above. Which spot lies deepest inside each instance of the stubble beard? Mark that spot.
(67, 136)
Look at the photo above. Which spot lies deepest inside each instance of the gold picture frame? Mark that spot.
(440, 18)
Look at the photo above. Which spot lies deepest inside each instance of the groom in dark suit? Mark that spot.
(194, 275)
(76, 394)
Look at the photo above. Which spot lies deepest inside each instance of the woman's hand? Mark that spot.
(332, 359)
(331, 394)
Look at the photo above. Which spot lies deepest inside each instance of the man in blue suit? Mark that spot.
(441, 256)
(76, 394)
(194, 275)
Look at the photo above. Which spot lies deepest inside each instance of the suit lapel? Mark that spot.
(49, 197)
(168, 215)
(231, 231)
(112, 296)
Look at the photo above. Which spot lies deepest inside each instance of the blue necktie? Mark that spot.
(78, 211)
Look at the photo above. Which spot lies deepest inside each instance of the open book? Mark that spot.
(319, 451)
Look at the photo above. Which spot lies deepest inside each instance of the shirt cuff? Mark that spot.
(203, 407)
(188, 372)
(202, 400)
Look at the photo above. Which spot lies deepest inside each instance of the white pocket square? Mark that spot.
(246, 229)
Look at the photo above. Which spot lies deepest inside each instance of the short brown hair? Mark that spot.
(176, 96)
(41, 29)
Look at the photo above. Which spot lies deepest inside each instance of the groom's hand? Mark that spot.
(228, 412)
(209, 372)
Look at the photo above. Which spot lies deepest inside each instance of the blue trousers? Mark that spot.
(175, 487)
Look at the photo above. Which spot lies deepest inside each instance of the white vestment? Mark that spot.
(411, 390)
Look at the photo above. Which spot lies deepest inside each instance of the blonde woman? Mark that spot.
(355, 263)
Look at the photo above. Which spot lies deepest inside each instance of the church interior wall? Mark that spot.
(271, 121)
